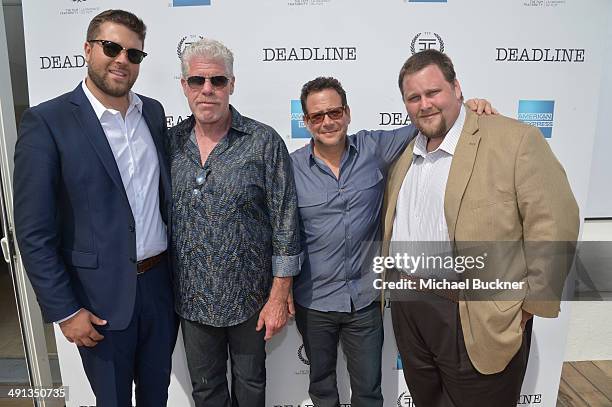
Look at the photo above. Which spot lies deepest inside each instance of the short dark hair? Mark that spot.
(422, 60)
(125, 18)
(319, 84)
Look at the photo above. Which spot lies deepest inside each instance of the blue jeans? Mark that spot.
(206, 349)
(361, 335)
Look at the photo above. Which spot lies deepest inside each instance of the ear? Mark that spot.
(457, 89)
(232, 83)
(87, 50)
(184, 86)
(347, 112)
(307, 124)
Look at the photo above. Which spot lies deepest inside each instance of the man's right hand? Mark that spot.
(80, 329)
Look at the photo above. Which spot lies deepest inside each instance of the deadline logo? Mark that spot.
(405, 400)
(310, 54)
(426, 40)
(298, 127)
(187, 3)
(62, 61)
(538, 113)
(394, 119)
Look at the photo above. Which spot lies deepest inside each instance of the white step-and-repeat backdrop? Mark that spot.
(537, 60)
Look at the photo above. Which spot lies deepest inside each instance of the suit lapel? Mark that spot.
(157, 135)
(461, 170)
(86, 117)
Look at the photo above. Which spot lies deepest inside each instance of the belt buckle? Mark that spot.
(138, 264)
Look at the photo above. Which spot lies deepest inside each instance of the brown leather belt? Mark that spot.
(147, 264)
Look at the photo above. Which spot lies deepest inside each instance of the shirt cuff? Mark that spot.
(287, 266)
(68, 317)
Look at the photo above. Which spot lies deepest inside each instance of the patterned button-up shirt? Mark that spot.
(234, 221)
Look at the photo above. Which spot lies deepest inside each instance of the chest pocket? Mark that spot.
(311, 208)
(308, 200)
(368, 181)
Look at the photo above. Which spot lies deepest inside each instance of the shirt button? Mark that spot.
(196, 192)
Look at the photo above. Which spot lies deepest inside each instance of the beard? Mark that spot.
(432, 130)
(105, 84)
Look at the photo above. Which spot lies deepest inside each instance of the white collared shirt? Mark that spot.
(136, 157)
(419, 213)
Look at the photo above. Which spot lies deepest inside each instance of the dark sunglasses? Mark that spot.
(335, 114)
(112, 49)
(196, 82)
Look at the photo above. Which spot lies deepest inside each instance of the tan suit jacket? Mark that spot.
(505, 184)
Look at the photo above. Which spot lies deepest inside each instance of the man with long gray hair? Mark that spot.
(235, 237)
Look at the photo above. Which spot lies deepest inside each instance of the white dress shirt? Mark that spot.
(136, 157)
(419, 213)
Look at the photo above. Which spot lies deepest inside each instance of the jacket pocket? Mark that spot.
(80, 259)
(508, 299)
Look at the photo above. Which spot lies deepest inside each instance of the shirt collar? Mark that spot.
(237, 121)
(99, 109)
(351, 146)
(450, 141)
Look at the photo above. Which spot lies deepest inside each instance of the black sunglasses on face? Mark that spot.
(196, 82)
(112, 49)
(335, 113)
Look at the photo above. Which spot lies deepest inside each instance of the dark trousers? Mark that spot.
(141, 353)
(361, 335)
(436, 365)
(206, 349)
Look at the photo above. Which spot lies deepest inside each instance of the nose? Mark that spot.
(122, 57)
(207, 88)
(426, 103)
(327, 121)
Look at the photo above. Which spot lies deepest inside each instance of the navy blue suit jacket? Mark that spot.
(73, 221)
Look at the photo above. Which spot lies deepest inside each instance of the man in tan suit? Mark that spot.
(468, 178)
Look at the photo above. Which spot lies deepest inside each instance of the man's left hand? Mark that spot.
(480, 106)
(274, 316)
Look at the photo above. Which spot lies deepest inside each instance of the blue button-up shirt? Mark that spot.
(340, 219)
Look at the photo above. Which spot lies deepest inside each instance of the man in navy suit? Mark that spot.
(92, 193)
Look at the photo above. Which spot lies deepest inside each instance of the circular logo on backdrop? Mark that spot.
(185, 42)
(302, 356)
(404, 400)
(426, 40)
